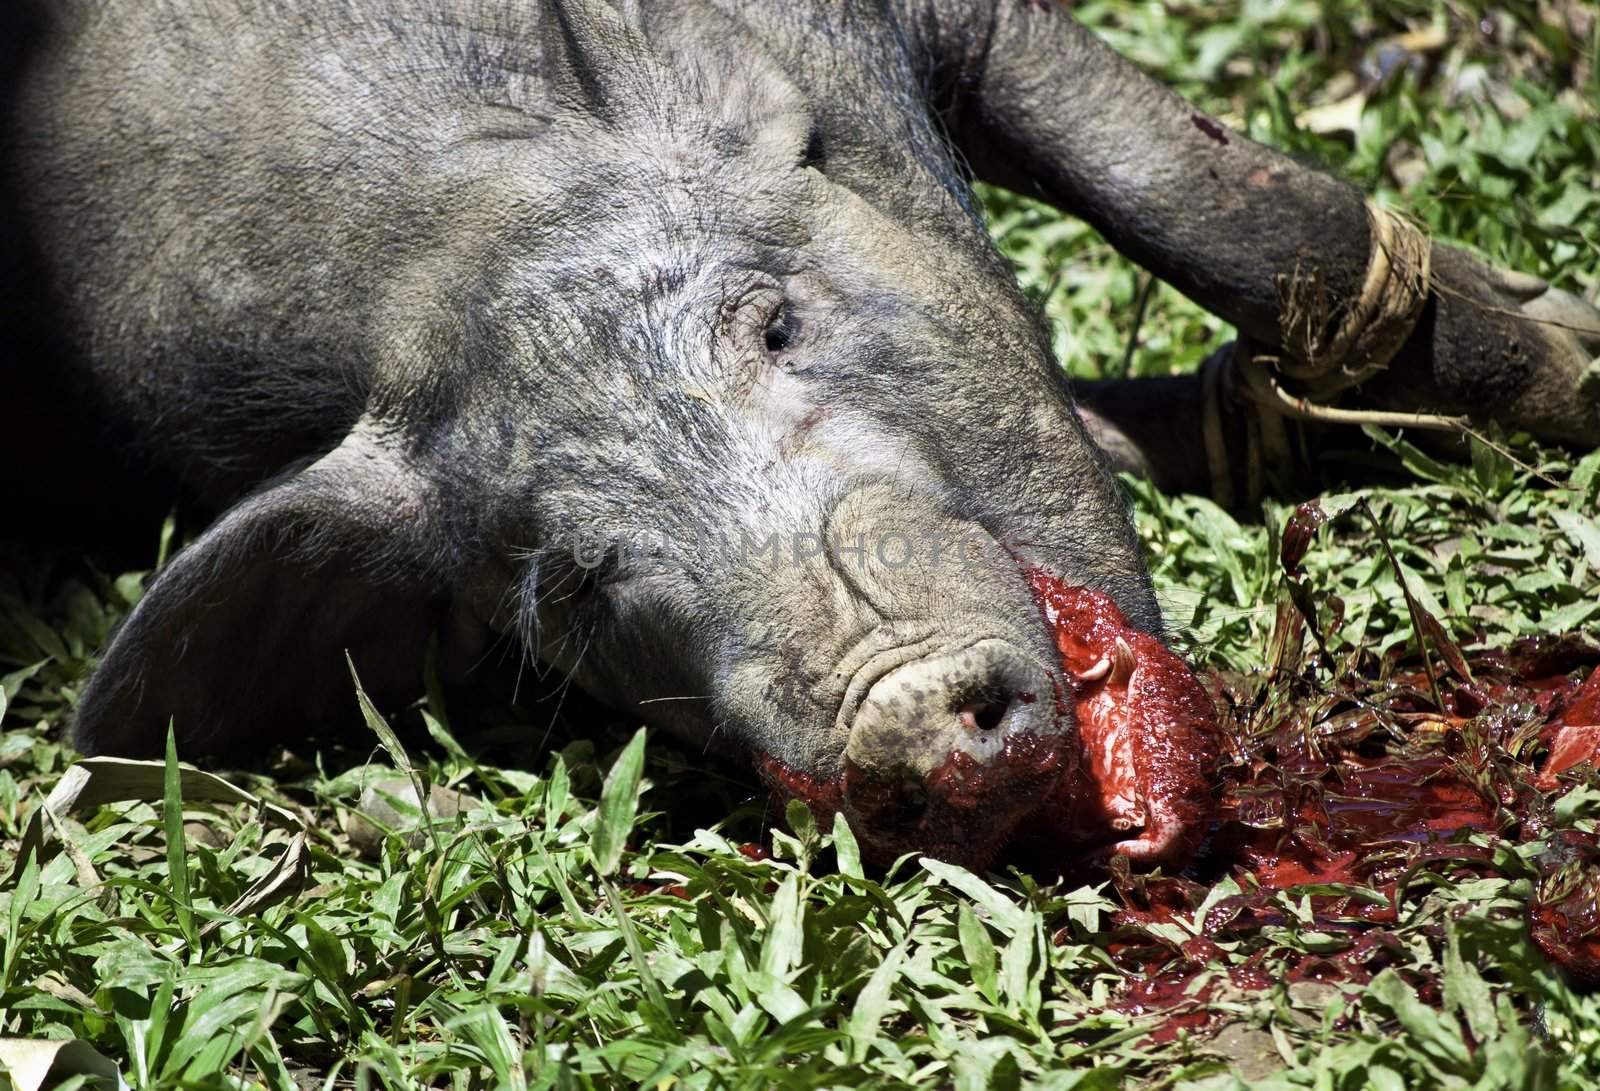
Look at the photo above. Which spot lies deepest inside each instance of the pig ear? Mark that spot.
(241, 640)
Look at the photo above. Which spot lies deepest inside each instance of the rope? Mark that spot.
(1368, 333)
(1372, 328)
(1275, 446)
(1261, 386)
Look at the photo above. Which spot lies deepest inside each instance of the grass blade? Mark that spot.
(619, 803)
(177, 855)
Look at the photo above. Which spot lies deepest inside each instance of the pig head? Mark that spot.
(685, 393)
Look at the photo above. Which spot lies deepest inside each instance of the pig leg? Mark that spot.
(1285, 253)
(1203, 433)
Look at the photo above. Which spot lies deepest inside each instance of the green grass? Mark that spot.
(598, 924)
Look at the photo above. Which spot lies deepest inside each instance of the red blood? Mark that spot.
(1341, 794)
(1298, 534)
(1577, 740)
(1179, 996)
(824, 795)
(1146, 728)
(1251, 978)
(1162, 992)
(1564, 913)
(1201, 952)
(1170, 1027)
(1347, 818)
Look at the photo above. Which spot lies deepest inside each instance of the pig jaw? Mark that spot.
(964, 811)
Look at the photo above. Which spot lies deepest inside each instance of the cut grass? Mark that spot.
(581, 931)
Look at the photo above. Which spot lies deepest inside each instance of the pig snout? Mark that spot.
(948, 752)
(966, 705)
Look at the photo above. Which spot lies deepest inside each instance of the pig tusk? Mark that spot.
(1123, 663)
(1096, 672)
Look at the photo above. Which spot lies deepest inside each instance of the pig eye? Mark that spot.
(567, 585)
(813, 155)
(780, 332)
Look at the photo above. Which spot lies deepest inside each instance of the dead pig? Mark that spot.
(433, 300)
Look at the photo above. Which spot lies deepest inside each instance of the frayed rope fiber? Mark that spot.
(1372, 328)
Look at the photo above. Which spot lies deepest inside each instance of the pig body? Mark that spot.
(665, 338)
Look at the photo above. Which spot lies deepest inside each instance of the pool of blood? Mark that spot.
(1343, 794)
(1575, 738)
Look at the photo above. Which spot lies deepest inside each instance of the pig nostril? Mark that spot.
(983, 715)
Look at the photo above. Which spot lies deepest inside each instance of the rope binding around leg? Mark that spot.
(1318, 366)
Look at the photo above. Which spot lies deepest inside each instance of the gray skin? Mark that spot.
(431, 302)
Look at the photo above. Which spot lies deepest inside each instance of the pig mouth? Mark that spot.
(1135, 780)
(964, 811)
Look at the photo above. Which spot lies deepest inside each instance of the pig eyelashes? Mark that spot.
(571, 577)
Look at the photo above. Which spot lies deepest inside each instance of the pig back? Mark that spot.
(212, 213)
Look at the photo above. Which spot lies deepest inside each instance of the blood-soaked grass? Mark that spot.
(1360, 791)
(1389, 877)
(571, 935)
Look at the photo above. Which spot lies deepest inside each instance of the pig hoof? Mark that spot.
(1503, 348)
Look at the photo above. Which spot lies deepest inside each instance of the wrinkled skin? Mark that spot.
(668, 342)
